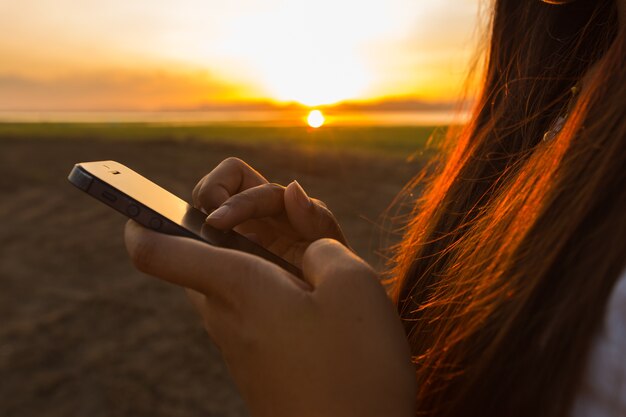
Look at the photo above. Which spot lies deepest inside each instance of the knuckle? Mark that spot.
(233, 160)
(202, 189)
(274, 187)
(234, 163)
(272, 190)
(344, 265)
(211, 194)
(319, 244)
(205, 197)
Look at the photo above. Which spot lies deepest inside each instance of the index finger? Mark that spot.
(230, 177)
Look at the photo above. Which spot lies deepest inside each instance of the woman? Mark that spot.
(503, 278)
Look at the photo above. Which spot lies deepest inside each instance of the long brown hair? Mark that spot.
(515, 243)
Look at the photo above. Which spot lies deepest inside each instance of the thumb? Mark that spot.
(223, 274)
(309, 217)
(328, 260)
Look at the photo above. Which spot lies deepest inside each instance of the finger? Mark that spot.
(230, 177)
(222, 275)
(310, 218)
(328, 260)
(261, 201)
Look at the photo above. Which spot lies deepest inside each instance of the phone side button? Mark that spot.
(132, 210)
(108, 196)
(155, 223)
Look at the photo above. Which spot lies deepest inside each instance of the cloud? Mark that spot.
(396, 105)
(115, 89)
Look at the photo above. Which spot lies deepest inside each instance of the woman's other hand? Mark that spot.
(282, 219)
(331, 345)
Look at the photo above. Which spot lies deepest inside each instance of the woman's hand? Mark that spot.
(331, 345)
(282, 219)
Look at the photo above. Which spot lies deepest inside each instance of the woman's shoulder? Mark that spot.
(602, 392)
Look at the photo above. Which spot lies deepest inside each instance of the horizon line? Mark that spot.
(384, 105)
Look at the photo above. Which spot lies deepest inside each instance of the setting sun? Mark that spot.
(315, 119)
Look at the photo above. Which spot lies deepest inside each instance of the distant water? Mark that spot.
(270, 118)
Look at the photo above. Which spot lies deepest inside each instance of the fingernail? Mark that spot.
(219, 213)
(302, 198)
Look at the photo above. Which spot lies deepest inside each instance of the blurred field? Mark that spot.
(391, 141)
(83, 334)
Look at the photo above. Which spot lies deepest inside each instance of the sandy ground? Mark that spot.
(82, 333)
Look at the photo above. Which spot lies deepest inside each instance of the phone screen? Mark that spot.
(152, 206)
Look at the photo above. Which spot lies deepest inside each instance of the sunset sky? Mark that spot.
(160, 54)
